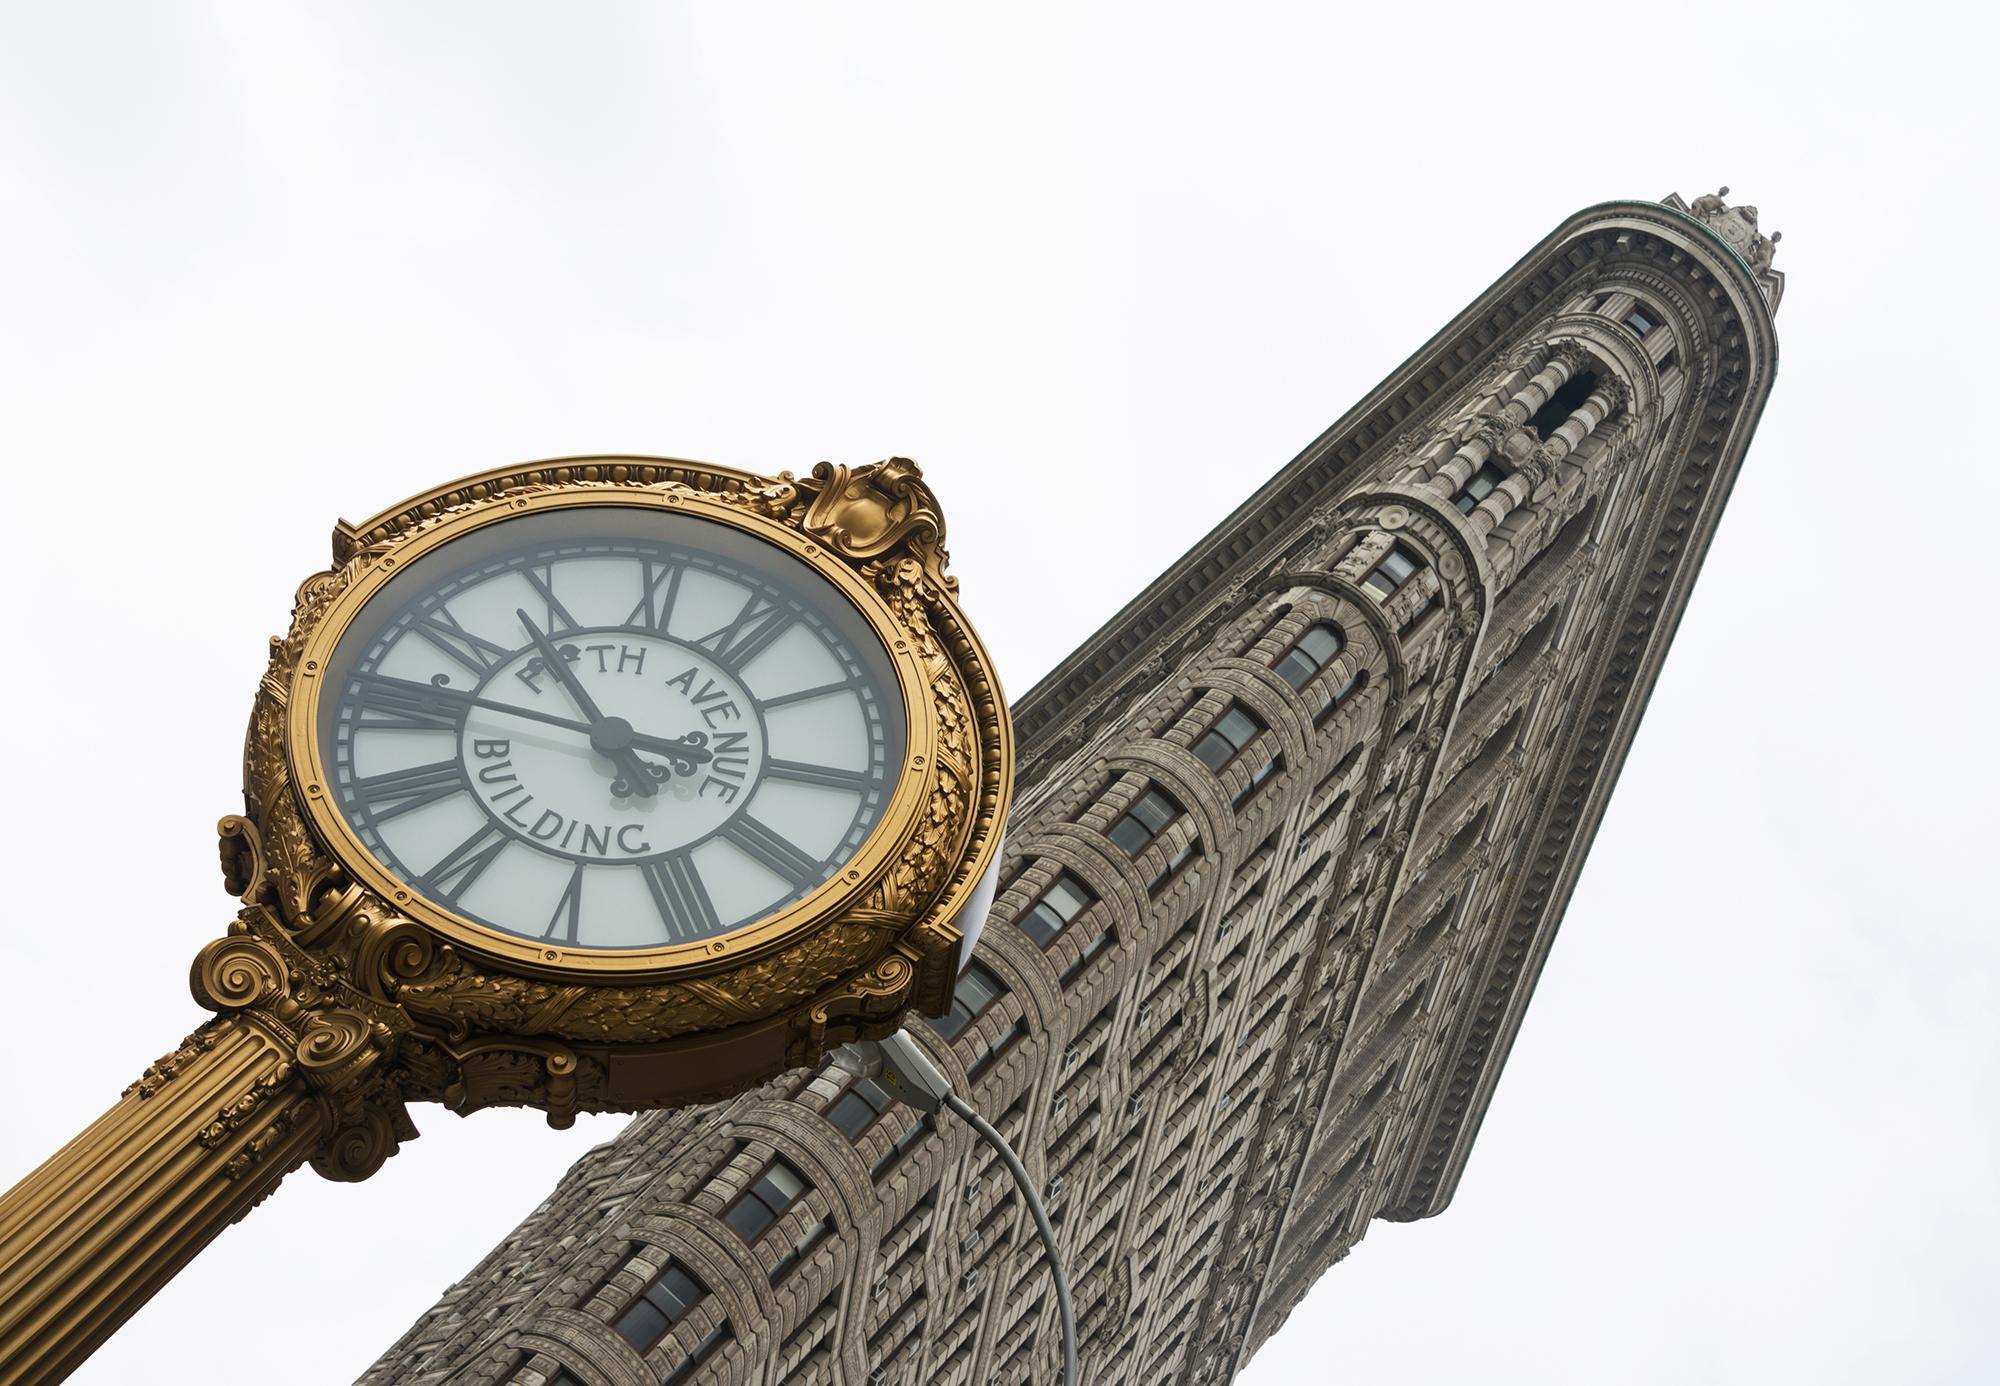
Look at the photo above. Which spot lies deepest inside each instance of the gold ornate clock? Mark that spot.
(603, 783)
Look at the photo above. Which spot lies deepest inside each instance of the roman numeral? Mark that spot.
(658, 588)
(569, 909)
(774, 850)
(681, 897)
(402, 791)
(756, 626)
(475, 652)
(800, 773)
(543, 580)
(465, 863)
(391, 704)
(804, 693)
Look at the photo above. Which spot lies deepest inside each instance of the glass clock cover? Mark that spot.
(611, 727)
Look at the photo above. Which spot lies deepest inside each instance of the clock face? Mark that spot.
(611, 727)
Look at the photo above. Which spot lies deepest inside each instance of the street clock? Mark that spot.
(599, 784)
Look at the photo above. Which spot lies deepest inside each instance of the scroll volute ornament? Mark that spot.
(339, 995)
(566, 1032)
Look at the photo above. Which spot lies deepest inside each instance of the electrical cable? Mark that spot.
(993, 1138)
(909, 1076)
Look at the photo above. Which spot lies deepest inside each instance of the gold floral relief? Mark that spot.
(461, 1014)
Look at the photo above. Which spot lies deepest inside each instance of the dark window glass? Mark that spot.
(1393, 571)
(857, 1109)
(1061, 903)
(1231, 733)
(1478, 487)
(1666, 363)
(661, 1305)
(1638, 321)
(1562, 404)
(1314, 650)
(1144, 821)
(977, 989)
(766, 1200)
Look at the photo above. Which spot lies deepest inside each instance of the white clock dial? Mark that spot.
(612, 729)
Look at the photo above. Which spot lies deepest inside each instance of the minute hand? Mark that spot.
(611, 737)
(447, 699)
(661, 745)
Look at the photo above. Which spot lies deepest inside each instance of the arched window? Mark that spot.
(1395, 568)
(1313, 652)
(1564, 402)
(770, 1196)
(667, 1299)
(1236, 728)
(1148, 817)
(977, 989)
(1061, 903)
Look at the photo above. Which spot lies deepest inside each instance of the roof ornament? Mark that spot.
(1737, 227)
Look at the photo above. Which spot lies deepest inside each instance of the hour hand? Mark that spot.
(609, 736)
(684, 752)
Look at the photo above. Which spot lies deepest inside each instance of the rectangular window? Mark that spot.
(1232, 731)
(766, 1200)
(860, 1107)
(1145, 821)
(1639, 322)
(977, 989)
(1393, 571)
(1314, 651)
(1478, 487)
(673, 1293)
(1061, 903)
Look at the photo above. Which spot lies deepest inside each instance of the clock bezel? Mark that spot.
(877, 853)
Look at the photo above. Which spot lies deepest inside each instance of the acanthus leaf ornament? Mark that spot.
(343, 990)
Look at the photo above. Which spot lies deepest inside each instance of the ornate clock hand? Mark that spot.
(609, 736)
(686, 752)
(406, 697)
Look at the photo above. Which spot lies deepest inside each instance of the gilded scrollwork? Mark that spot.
(370, 998)
(865, 512)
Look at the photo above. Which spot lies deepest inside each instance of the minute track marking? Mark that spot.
(823, 764)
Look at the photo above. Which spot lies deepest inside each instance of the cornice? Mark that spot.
(1704, 453)
(1449, 361)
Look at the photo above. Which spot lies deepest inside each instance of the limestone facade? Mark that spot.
(1293, 835)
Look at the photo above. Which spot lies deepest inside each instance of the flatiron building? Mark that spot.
(1293, 836)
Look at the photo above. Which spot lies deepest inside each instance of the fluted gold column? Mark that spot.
(93, 1233)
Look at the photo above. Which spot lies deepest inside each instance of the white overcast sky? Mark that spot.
(1101, 269)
